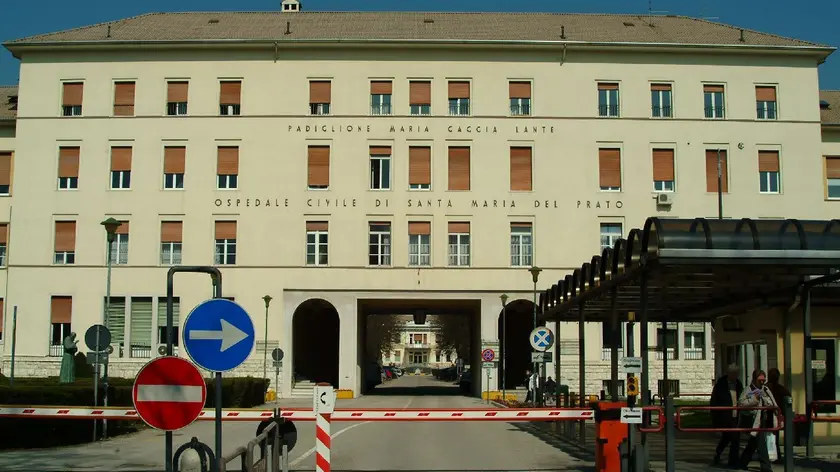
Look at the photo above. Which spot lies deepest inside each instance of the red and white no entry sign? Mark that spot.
(169, 393)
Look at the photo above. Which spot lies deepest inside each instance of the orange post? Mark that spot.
(609, 433)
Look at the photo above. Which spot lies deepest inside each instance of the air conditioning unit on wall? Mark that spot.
(664, 199)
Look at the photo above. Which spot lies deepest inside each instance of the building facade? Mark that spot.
(356, 163)
(418, 346)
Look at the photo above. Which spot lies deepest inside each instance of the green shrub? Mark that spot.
(246, 392)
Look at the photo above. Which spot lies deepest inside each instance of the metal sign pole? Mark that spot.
(216, 277)
(14, 345)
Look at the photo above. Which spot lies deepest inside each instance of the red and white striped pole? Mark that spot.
(322, 442)
(323, 406)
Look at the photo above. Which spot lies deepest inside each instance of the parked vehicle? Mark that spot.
(466, 381)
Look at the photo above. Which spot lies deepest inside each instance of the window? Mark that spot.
(660, 100)
(765, 102)
(68, 168)
(161, 319)
(5, 173)
(319, 97)
(610, 233)
(71, 100)
(521, 169)
(397, 357)
(227, 167)
(317, 243)
(521, 244)
(459, 98)
(379, 242)
(380, 168)
(124, 99)
(419, 168)
(65, 242)
(420, 97)
(61, 313)
(694, 341)
(318, 167)
(119, 248)
(609, 168)
(666, 340)
(459, 244)
(608, 340)
(141, 327)
(716, 165)
(824, 381)
(171, 241)
(419, 243)
(768, 171)
(115, 313)
(4, 238)
(174, 166)
(832, 174)
(230, 92)
(663, 170)
(176, 98)
(225, 243)
(608, 100)
(459, 168)
(2, 307)
(380, 97)
(713, 101)
(120, 168)
(520, 98)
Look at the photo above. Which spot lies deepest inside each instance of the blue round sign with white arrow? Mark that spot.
(218, 335)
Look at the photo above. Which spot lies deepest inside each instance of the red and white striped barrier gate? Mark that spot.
(304, 414)
(323, 440)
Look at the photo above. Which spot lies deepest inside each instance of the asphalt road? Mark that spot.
(363, 446)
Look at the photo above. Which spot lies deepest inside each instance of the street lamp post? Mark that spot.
(111, 226)
(504, 298)
(267, 300)
(535, 276)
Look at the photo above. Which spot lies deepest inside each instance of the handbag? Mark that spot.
(771, 446)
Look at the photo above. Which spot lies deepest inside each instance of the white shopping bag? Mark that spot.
(771, 447)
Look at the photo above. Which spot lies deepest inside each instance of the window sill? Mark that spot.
(317, 189)
(769, 193)
(420, 189)
(378, 190)
(122, 116)
(64, 190)
(119, 189)
(610, 191)
(610, 116)
(173, 189)
(657, 192)
(831, 199)
(661, 117)
(226, 189)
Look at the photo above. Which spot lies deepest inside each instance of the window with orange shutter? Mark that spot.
(419, 168)
(768, 172)
(71, 98)
(459, 243)
(171, 241)
(609, 169)
(380, 167)
(124, 98)
(318, 167)
(520, 98)
(459, 98)
(320, 97)
(521, 244)
(521, 169)
(765, 102)
(608, 105)
(419, 243)
(459, 168)
(420, 97)
(225, 243)
(119, 248)
(712, 158)
(380, 97)
(714, 101)
(317, 243)
(6, 172)
(230, 92)
(61, 314)
(4, 238)
(663, 170)
(227, 167)
(68, 168)
(379, 243)
(174, 167)
(65, 242)
(121, 167)
(832, 176)
(177, 92)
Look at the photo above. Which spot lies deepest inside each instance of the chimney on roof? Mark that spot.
(291, 6)
(742, 36)
(562, 32)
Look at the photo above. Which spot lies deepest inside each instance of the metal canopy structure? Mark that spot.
(699, 269)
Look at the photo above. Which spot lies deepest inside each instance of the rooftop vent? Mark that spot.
(213, 21)
(428, 20)
(629, 23)
(824, 105)
(13, 99)
(291, 6)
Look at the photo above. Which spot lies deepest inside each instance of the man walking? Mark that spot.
(727, 392)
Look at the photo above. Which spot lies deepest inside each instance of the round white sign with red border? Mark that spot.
(169, 393)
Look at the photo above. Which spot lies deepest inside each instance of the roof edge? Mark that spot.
(824, 51)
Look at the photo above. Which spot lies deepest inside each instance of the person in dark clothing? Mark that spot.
(726, 392)
(779, 393)
(551, 389)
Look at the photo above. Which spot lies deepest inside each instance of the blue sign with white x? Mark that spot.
(541, 339)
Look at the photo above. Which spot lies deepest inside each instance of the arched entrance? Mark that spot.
(315, 337)
(515, 324)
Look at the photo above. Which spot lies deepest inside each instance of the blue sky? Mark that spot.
(812, 21)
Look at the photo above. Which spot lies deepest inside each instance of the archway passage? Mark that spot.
(315, 338)
(515, 324)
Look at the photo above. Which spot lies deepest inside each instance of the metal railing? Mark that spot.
(776, 411)
(56, 350)
(268, 460)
